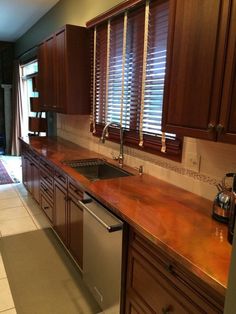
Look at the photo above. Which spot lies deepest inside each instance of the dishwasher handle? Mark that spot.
(110, 228)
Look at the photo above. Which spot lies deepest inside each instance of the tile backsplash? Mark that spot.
(203, 165)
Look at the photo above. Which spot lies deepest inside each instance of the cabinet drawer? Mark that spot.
(35, 157)
(47, 192)
(46, 178)
(158, 282)
(46, 167)
(75, 191)
(47, 207)
(61, 178)
(160, 293)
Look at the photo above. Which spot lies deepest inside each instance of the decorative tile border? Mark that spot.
(187, 172)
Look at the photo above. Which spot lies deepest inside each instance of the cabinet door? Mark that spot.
(35, 181)
(150, 290)
(75, 231)
(156, 283)
(60, 71)
(29, 176)
(195, 64)
(42, 84)
(49, 73)
(24, 169)
(227, 123)
(46, 74)
(60, 221)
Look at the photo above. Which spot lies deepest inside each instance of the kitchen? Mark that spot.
(202, 161)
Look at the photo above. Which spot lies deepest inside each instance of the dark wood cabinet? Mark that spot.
(30, 168)
(75, 223)
(156, 283)
(60, 219)
(227, 121)
(64, 71)
(197, 49)
(46, 189)
(35, 181)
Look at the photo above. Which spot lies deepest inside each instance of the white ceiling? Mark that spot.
(17, 16)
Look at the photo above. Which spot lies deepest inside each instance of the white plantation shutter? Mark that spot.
(130, 65)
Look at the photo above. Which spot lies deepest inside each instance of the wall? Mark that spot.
(76, 12)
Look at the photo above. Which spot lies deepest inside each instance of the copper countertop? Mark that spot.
(172, 218)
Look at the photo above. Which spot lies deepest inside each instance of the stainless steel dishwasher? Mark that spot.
(102, 254)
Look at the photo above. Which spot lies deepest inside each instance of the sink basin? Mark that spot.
(96, 169)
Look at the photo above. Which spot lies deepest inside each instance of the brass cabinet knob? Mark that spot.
(219, 129)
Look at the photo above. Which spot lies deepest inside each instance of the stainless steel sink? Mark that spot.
(96, 169)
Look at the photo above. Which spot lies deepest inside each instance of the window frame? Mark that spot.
(151, 143)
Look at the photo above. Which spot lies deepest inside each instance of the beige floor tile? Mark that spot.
(15, 226)
(8, 203)
(31, 205)
(21, 190)
(6, 301)
(2, 268)
(12, 213)
(8, 194)
(11, 311)
(41, 221)
(6, 187)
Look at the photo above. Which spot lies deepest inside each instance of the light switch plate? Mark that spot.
(193, 161)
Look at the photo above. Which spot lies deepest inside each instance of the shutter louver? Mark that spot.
(101, 73)
(155, 69)
(129, 66)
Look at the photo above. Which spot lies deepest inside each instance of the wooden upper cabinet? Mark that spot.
(227, 121)
(64, 71)
(195, 66)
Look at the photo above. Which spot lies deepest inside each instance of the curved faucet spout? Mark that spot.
(120, 158)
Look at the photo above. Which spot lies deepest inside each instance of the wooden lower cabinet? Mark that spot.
(30, 173)
(68, 220)
(35, 181)
(60, 205)
(47, 207)
(155, 284)
(75, 232)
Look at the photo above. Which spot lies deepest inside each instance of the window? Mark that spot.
(28, 76)
(129, 62)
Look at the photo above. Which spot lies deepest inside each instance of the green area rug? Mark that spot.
(42, 277)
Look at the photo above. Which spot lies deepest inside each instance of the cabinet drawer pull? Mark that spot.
(46, 207)
(170, 269)
(166, 310)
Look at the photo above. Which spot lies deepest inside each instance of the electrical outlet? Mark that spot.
(193, 161)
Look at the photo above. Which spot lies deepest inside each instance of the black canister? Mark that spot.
(232, 213)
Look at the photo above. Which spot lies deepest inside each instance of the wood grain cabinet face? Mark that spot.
(75, 232)
(60, 220)
(197, 47)
(64, 71)
(30, 171)
(228, 107)
(155, 284)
